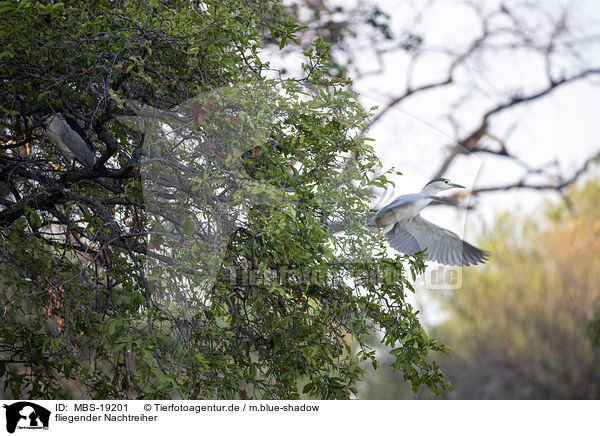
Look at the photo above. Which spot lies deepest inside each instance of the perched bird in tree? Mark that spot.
(70, 139)
(408, 232)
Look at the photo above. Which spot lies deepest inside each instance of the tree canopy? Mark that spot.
(197, 258)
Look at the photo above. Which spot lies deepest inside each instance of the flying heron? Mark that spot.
(408, 232)
(70, 139)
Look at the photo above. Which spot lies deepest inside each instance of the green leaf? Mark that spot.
(307, 388)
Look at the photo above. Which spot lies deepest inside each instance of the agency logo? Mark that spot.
(26, 415)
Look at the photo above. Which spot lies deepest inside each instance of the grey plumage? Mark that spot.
(70, 139)
(408, 232)
(443, 246)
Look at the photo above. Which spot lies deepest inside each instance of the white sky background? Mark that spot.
(414, 138)
(563, 126)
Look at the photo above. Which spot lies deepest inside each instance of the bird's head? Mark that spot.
(438, 185)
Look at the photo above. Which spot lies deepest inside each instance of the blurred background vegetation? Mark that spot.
(523, 327)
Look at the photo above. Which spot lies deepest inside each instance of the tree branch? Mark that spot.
(522, 184)
(469, 144)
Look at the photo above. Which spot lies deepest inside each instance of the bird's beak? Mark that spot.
(456, 185)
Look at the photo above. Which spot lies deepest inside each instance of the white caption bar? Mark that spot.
(413, 418)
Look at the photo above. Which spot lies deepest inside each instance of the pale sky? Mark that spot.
(414, 137)
(562, 126)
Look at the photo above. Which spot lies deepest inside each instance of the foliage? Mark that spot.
(348, 27)
(196, 258)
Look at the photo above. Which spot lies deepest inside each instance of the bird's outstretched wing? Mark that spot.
(393, 212)
(443, 246)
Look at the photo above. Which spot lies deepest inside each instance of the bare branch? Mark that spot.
(523, 184)
(470, 143)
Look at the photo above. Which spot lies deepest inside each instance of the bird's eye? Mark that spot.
(446, 182)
